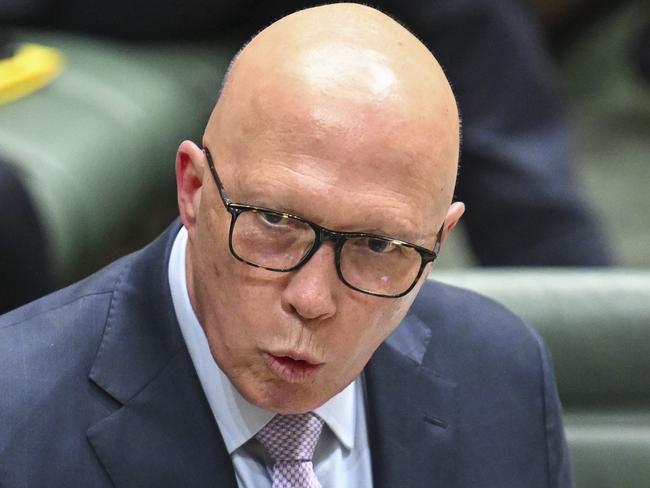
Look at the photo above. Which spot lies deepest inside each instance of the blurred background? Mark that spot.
(555, 166)
(555, 99)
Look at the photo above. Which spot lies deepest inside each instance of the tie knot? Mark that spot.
(291, 437)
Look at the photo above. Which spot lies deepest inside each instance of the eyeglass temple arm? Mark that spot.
(436, 246)
(224, 197)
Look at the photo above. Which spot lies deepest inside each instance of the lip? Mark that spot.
(292, 367)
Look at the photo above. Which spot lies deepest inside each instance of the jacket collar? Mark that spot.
(164, 434)
(412, 410)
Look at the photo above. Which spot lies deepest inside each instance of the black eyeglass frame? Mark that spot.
(322, 234)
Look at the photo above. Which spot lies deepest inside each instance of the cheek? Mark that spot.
(251, 295)
(366, 327)
(239, 305)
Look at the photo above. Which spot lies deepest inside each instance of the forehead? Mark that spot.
(329, 152)
(339, 181)
(332, 201)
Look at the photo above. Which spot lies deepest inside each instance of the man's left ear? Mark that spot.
(454, 214)
(190, 166)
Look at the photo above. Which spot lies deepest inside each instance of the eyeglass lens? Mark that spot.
(279, 242)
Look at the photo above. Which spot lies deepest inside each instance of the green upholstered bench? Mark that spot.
(597, 326)
(95, 147)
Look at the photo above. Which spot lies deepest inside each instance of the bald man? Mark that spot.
(272, 337)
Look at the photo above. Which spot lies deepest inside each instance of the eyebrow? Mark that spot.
(258, 197)
(400, 236)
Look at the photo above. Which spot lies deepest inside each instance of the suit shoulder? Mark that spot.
(451, 306)
(100, 283)
(47, 349)
(49, 345)
(468, 326)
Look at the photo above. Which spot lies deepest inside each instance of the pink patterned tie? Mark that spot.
(290, 441)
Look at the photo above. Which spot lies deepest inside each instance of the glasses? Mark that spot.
(277, 241)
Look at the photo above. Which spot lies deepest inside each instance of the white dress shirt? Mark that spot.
(342, 457)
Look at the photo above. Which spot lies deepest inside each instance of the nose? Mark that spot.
(310, 289)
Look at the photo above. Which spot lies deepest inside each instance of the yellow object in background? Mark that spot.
(30, 68)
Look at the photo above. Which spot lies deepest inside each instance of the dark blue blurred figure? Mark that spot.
(517, 180)
(23, 255)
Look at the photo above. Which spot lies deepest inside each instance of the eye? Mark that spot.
(380, 245)
(271, 218)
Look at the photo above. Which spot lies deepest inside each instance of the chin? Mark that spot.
(295, 406)
(284, 399)
(291, 408)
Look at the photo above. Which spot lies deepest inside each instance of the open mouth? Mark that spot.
(290, 369)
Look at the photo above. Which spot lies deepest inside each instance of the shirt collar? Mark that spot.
(238, 419)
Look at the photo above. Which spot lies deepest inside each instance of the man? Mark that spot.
(274, 322)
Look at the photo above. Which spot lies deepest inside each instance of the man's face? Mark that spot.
(290, 341)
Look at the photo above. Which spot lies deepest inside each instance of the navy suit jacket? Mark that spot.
(97, 389)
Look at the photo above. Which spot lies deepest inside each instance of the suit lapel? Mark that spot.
(411, 414)
(164, 433)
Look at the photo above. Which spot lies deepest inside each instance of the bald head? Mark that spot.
(352, 80)
(349, 49)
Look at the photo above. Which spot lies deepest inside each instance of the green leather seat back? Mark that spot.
(96, 146)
